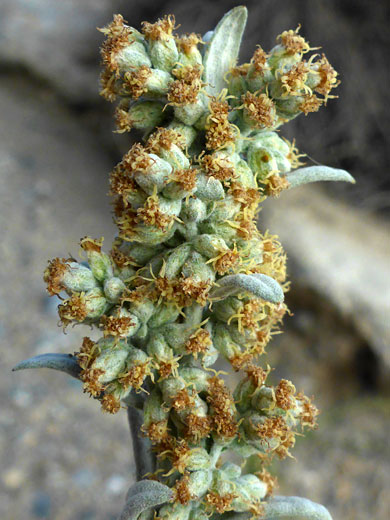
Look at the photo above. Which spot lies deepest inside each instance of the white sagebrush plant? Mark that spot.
(189, 277)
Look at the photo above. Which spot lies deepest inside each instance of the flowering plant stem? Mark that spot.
(189, 278)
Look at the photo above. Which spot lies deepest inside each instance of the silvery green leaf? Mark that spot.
(223, 48)
(317, 173)
(260, 285)
(63, 362)
(287, 508)
(144, 495)
(207, 36)
(294, 508)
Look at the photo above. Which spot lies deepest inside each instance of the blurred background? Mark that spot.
(60, 458)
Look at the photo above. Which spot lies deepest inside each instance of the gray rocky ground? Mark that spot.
(60, 458)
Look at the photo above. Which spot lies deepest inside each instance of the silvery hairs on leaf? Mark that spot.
(295, 508)
(63, 362)
(222, 50)
(288, 508)
(143, 496)
(260, 285)
(317, 173)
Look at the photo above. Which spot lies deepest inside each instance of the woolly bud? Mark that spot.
(165, 313)
(195, 378)
(198, 483)
(193, 211)
(290, 107)
(191, 112)
(196, 268)
(162, 47)
(225, 210)
(262, 161)
(197, 422)
(174, 511)
(175, 260)
(158, 348)
(268, 434)
(243, 394)
(143, 310)
(83, 307)
(230, 470)
(225, 309)
(251, 250)
(154, 411)
(237, 81)
(111, 362)
(138, 367)
(250, 490)
(143, 115)
(264, 399)
(196, 459)
(209, 356)
(259, 111)
(63, 274)
(188, 48)
(209, 188)
(222, 493)
(289, 51)
(155, 177)
(197, 514)
(176, 158)
(113, 288)
(132, 56)
(98, 261)
(188, 133)
(121, 323)
(209, 245)
(272, 141)
(224, 343)
(141, 253)
(222, 229)
(256, 81)
(148, 82)
(171, 388)
(114, 392)
(176, 335)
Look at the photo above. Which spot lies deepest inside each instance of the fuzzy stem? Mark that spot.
(143, 456)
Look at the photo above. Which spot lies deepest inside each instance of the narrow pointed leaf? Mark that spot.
(294, 508)
(63, 362)
(222, 50)
(143, 496)
(317, 173)
(260, 285)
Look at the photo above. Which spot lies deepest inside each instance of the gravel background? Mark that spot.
(60, 458)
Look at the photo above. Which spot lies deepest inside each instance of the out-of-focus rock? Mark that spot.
(52, 192)
(345, 464)
(341, 252)
(55, 41)
(54, 185)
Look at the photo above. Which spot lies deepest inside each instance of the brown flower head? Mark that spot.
(260, 109)
(293, 42)
(161, 30)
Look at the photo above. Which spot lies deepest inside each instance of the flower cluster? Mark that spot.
(186, 279)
